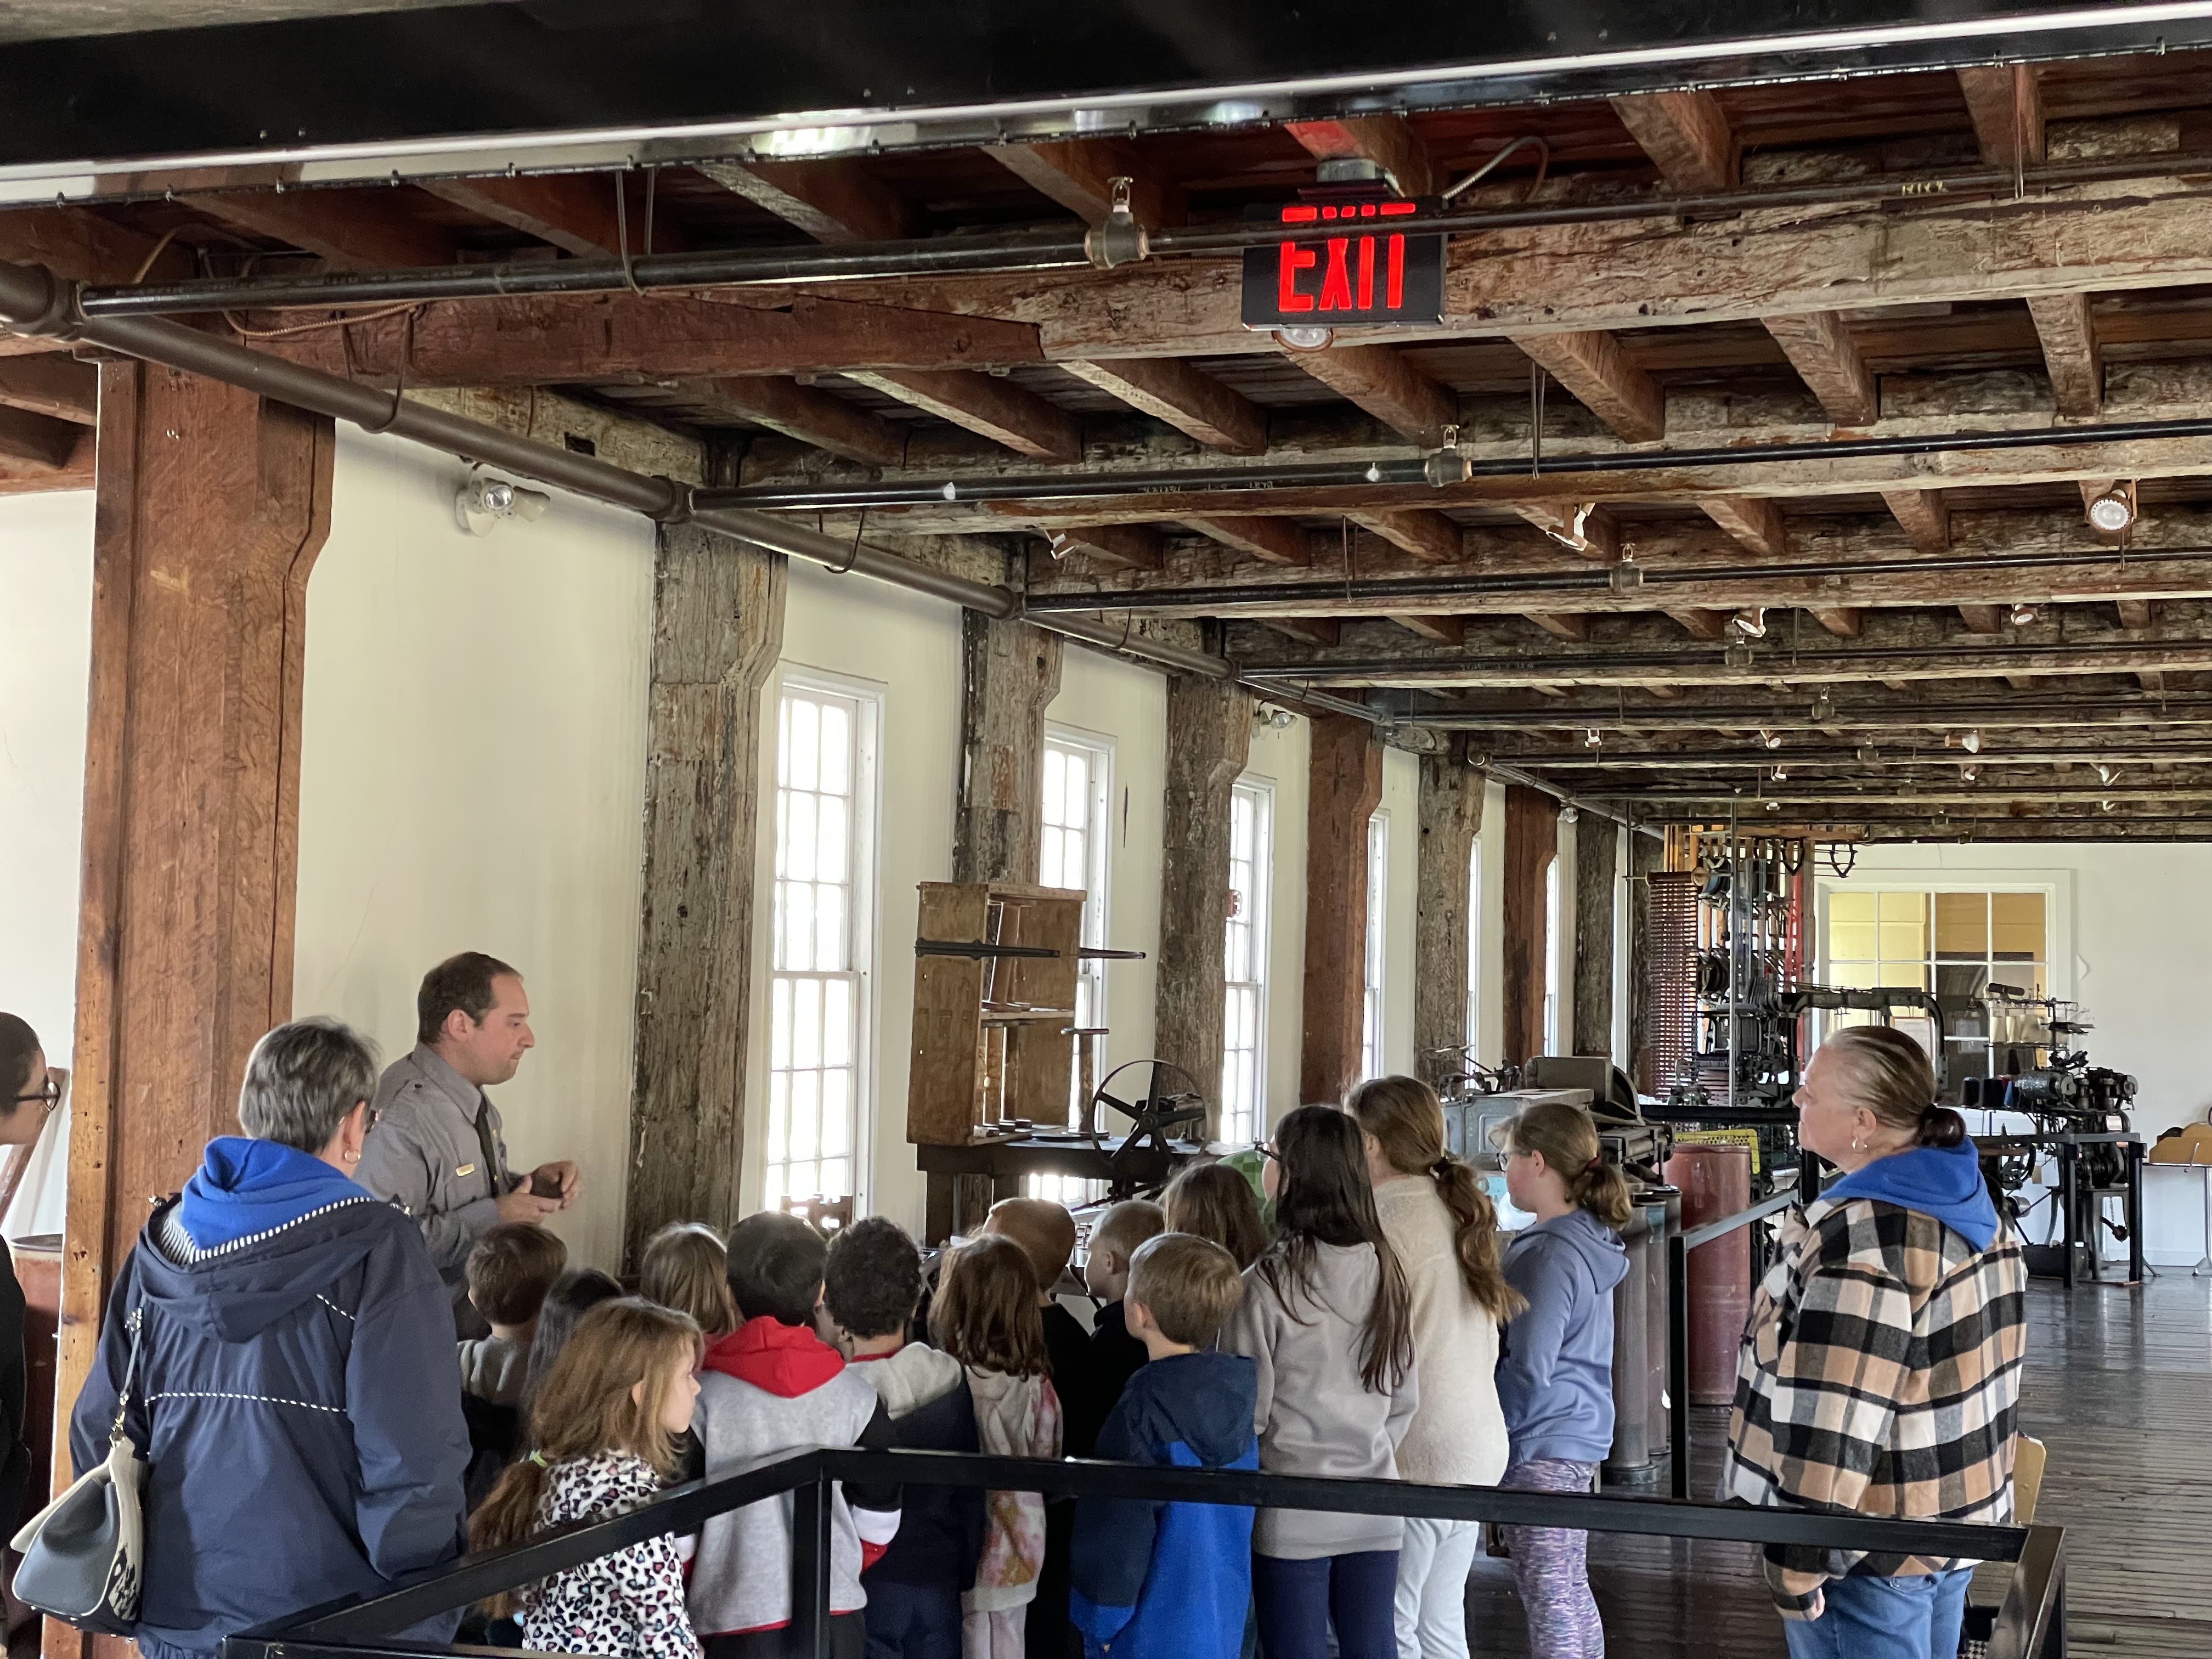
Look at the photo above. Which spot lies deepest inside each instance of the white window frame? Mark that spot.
(1244, 1117)
(1375, 965)
(863, 917)
(1475, 947)
(1552, 975)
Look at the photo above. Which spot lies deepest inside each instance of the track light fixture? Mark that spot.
(2106, 774)
(1769, 739)
(1971, 741)
(2105, 805)
(2115, 510)
(1970, 774)
(2022, 614)
(1781, 774)
(1593, 737)
(1751, 622)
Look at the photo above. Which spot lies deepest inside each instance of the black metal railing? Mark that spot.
(2030, 1625)
(1679, 1247)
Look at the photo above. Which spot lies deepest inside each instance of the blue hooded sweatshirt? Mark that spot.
(1943, 1182)
(1555, 1371)
(1150, 1578)
(297, 1399)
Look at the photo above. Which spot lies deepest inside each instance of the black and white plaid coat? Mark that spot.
(1880, 1374)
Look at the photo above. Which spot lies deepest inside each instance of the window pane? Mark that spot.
(1850, 941)
(805, 748)
(830, 934)
(1904, 907)
(835, 751)
(1962, 926)
(2018, 923)
(1850, 907)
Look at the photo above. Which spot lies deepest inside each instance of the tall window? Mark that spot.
(1076, 786)
(1244, 1047)
(1370, 1007)
(1474, 945)
(824, 853)
(1552, 956)
(1954, 944)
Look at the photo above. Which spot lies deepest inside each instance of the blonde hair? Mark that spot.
(1895, 1082)
(1127, 1224)
(686, 1267)
(1407, 1121)
(1567, 1137)
(587, 1407)
(1044, 1229)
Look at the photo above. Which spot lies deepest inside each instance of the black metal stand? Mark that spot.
(1678, 1323)
(2069, 1148)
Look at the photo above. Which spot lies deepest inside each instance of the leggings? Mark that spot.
(1298, 1601)
(1548, 1568)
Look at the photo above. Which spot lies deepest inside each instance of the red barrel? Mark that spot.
(1715, 1183)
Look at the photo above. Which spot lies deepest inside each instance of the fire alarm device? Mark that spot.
(1344, 264)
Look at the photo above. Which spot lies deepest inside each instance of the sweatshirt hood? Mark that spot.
(784, 1360)
(914, 1376)
(1204, 1400)
(245, 1187)
(1579, 1231)
(1942, 1182)
(235, 1291)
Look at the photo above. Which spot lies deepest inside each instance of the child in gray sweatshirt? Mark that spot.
(1327, 1319)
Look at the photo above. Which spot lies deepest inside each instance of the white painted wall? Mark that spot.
(472, 778)
(1401, 799)
(46, 653)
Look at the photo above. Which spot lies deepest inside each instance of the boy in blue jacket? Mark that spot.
(1152, 1578)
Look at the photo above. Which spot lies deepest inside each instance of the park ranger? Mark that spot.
(434, 1147)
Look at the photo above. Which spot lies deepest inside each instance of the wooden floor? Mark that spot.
(2119, 1387)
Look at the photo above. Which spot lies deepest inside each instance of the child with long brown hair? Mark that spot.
(1442, 1225)
(604, 1425)
(1215, 1201)
(686, 1267)
(1326, 1316)
(986, 1316)
(1555, 1379)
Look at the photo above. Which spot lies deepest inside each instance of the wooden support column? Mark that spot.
(718, 610)
(1597, 846)
(1343, 787)
(212, 507)
(1532, 841)
(1646, 855)
(1011, 674)
(1445, 906)
(1209, 738)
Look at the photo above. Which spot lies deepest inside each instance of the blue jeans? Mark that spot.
(1298, 1601)
(1912, 1616)
(912, 1621)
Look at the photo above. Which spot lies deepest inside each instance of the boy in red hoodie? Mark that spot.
(773, 1386)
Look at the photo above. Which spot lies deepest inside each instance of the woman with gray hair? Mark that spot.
(294, 1338)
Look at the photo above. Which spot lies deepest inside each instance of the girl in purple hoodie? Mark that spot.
(1555, 1371)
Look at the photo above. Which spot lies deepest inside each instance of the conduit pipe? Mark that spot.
(998, 252)
(33, 301)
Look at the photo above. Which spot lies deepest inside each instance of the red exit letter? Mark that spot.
(1289, 263)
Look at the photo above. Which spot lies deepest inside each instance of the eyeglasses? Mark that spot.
(1267, 1151)
(49, 1097)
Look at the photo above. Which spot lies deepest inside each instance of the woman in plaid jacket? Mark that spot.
(1881, 1369)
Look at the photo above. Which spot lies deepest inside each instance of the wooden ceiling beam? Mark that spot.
(985, 405)
(1983, 618)
(1592, 366)
(1430, 537)
(1820, 349)
(1129, 546)
(1559, 626)
(836, 199)
(1382, 381)
(1308, 630)
(51, 384)
(1702, 624)
(1273, 541)
(80, 244)
(1389, 140)
(347, 229)
(1078, 173)
(1753, 520)
(1594, 534)
(574, 211)
(2069, 333)
(1193, 402)
(1444, 630)
(1844, 621)
(1686, 136)
(1923, 516)
(37, 440)
(2005, 103)
(74, 472)
(2135, 613)
(807, 413)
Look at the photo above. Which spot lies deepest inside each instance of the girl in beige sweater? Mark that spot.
(1441, 1224)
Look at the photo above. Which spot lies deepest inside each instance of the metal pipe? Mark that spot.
(1498, 669)
(985, 253)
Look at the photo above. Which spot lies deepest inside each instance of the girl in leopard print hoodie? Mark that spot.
(604, 1425)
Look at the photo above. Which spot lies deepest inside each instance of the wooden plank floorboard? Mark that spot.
(2118, 1386)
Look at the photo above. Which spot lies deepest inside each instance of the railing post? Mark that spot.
(2054, 1635)
(1678, 1363)
(810, 1569)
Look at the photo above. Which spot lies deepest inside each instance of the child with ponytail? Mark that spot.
(604, 1425)
(1555, 1377)
(1443, 1226)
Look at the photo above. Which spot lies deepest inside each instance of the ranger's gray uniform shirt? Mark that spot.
(426, 1156)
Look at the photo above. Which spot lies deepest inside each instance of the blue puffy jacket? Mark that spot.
(1171, 1580)
(298, 1399)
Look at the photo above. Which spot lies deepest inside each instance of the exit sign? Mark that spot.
(1344, 265)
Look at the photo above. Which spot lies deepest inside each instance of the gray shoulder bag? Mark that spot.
(83, 1554)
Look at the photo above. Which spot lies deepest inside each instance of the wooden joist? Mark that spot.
(2069, 332)
(1271, 540)
(79, 245)
(1389, 140)
(1844, 621)
(1078, 173)
(807, 413)
(1820, 349)
(1560, 626)
(987, 405)
(836, 199)
(1444, 631)
(1192, 401)
(349, 230)
(36, 441)
(1591, 365)
(1430, 537)
(1380, 380)
(51, 384)
(1755, 522)
(1686, 136)
(1922, 516)
(574, 211)
(1130, 546)
(2006, 106)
